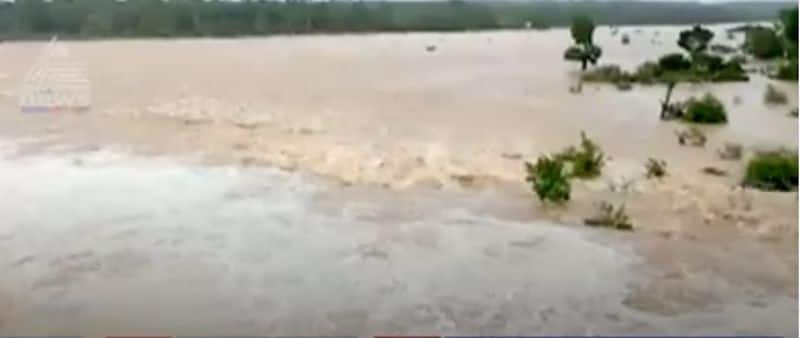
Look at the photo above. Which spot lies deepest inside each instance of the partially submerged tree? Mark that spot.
(584, 50)
(695, 40)
(787, 70)
(584, 54)
(670, 110)
(789, 24)
(582, 30)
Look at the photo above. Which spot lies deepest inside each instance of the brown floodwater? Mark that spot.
(113, 244)
(95, 238)
(384, 102)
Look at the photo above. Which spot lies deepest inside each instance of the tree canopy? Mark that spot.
(789, 22)
(584, 50)
(582, 29)
(695, 40)
(763, 43)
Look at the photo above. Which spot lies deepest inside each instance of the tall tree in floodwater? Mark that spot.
(584, 50)
(695, 40)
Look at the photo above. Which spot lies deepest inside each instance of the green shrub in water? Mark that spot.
(708, 63)
(731, 71)
(548, 179)
(705, 110)
(772, 171)
(763, 43)
(586, 162)
(648, 72)
(674, 62)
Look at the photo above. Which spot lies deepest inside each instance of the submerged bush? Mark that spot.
(692, 136)
(763, 43)
(714, 171)
(606, 73)
(656, 168)
(586, 162)
(731, 151)
(708, 63)
(624, 85)
(548, 179)
(705, 110)
(648, 72)
(731, 71)
(787, 70)
(610, 217)
(674, 62)
(774, 96)
(695, 40)
(772, 171)
(672, 68)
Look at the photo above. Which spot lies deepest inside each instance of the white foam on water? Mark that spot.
(114, 234)
(113, 243)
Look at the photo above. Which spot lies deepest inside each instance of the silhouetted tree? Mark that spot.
(584, 50)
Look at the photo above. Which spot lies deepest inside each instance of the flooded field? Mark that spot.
(361, 184)
(114, 243)
(366, 108)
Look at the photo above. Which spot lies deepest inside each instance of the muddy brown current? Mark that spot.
(359, 184)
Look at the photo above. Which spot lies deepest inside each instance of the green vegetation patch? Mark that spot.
(772, 171)
(707, 109)
(672, 68)
(698, 66)
(548, 179)
(549, 176)
(763, 43)
(674, 62)
(787, 70)
(585, 162)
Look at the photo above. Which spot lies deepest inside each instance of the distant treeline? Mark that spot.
(23, 19)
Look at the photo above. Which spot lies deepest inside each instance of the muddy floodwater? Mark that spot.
(365, 184)
(118, 244)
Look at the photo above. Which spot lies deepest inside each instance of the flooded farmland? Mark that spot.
(364, 184)
(321, 102)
